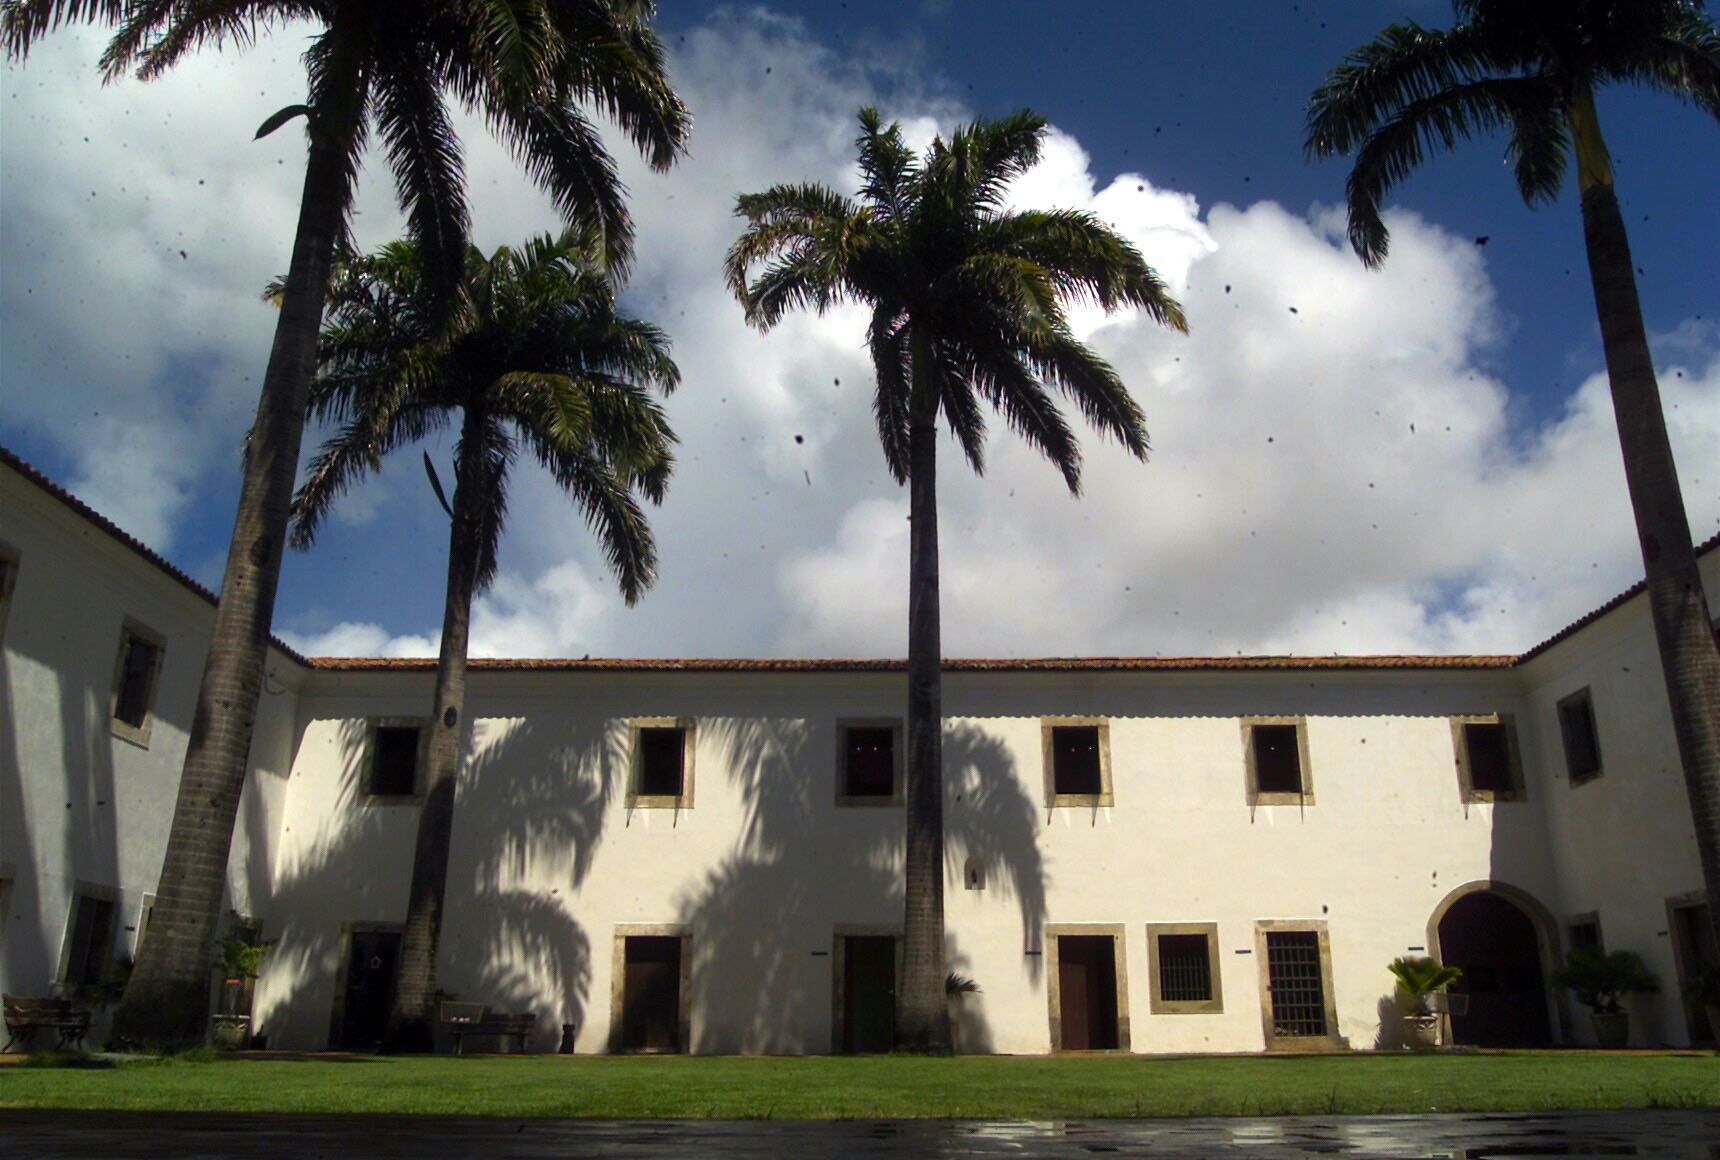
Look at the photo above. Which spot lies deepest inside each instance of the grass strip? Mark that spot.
(881, 1087)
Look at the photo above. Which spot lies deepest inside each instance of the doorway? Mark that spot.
(372, 959)
(1087, 992)
(651, 994)
(1493, 942)
(1694, 943)
(868, 1005)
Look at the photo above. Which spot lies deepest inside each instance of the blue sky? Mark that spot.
(1415, 459)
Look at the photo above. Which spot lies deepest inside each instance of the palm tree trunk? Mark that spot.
(922, 1021)
(1689, 658)
(167, 998)
(411, 1021)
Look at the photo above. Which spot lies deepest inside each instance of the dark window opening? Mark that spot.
(1585, 934)
(1185, 969)
(1582, 745)
(136, 680)
(394, 764)
(869, 761)
(661, 760)
(1489, 757)
(1277, 759)
(92, 940)
(1075, 760)
(1293, 977)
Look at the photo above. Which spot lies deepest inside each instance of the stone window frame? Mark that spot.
(839, 933)
(1055, 800)
(689, 738)
(1305, 767)
(369, 796)
(1584, 700)
(898, 779)
(1517, 790)
(1157, 1003)
(1053, 989)
(618, 984)
(132, 629)
(9, 562)
(1330, 1041)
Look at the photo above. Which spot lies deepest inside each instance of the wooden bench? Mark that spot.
(463, 1019)
(24, 1017)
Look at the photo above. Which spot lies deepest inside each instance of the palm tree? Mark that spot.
(967, 302)
(534, 356)
(528, 66)
(1530, 68)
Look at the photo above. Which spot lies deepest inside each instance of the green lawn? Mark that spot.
(824, 1087)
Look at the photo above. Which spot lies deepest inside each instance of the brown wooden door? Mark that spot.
(651, 994)
(1087, 992)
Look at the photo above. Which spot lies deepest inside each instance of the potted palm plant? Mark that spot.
(1419, 978)
(1600, 981)
(1702, 989)
(241, 958)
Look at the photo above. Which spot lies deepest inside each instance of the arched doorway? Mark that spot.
(1491, 936)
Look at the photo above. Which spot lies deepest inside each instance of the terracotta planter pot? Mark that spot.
(1612, 1031)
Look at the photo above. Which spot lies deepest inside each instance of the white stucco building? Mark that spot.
(1153, 855)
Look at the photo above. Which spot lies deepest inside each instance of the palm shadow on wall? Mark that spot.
(761, 920)
(528, 824)
(528, 819)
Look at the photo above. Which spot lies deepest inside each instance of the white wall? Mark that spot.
(81, 807)
(1623, 843)
(547, 859)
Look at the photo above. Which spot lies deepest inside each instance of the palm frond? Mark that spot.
(1399, 146)
(23, 21)
(887, 338)
(424, 153)
(1403, 65)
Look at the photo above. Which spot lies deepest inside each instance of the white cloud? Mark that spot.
(1334, 466)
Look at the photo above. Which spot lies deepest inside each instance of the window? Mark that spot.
(1488, 768)
(89, 940)
(648, 1008)
(1297, 1007)
(396, 749)
(135, 674)
(8, 578)
(1182, 959)
(662, 771)
(1582, 741)
(869, 763)
(1077, 753)
(1276, 754)
(1584, 930)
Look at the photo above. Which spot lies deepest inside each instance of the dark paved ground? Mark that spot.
(1686, 1135)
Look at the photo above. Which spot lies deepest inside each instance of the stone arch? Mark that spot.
(1510, 1003)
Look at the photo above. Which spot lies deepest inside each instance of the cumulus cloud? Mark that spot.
(1335, 465)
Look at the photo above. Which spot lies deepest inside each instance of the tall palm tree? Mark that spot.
(967, 303)
(1530, 68)
(528, 66)
(534, 356)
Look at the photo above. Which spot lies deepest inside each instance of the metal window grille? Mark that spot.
(1293, 974)
(1185, 973)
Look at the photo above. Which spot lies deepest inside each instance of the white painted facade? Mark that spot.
(765, 870)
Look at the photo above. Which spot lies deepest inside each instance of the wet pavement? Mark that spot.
(1686, 1135)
